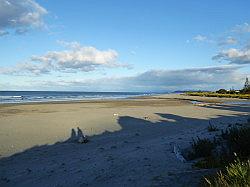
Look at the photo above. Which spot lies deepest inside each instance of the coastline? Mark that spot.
(23, 97)
(124, 136)
(171, 96)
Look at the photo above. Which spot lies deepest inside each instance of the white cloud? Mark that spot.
(234, 56)
(73, 45)
(27, 68)
(2, 33)
(243, 28)
(228, 41)
(200, 38)
(75, 58)
(21, 15)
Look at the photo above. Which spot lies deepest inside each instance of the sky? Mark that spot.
(116, 45)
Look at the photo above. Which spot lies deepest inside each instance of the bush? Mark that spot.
(221, 91)
(236, 174)
(201, 148)
(208, 162)
(225, 95)
(220, 153)
(246, 91)
(238, 141)
(212, 128)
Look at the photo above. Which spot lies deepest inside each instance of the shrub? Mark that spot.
(236, 174)
(221, 91)
(238, 140)
(212, 128)
(201, 148)
(208, 162)
(226, 95)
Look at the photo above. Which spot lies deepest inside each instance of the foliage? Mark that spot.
(246, 91)
(213, 94)
(236, 174)
(212, 128)
(221, 91)
(237, 171)
(208, 162)
(222, 150)
(238, 140)
(201, 148)
(230, 151)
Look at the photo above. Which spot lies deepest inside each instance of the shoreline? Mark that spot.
(27, 97)
(170, 96)
(76, 100)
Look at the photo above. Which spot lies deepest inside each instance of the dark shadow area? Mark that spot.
(120, 157)
(236, 108)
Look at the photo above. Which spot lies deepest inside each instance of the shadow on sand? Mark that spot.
(236, 107)
(140, 154)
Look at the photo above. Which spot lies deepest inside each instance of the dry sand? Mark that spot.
(131, 141)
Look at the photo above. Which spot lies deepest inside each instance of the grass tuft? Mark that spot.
(201, 148)
(238, 140)
(236, 174)
(213, 94)
(212, 128)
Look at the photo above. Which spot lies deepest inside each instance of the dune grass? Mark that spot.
(201, 148)
(238, 140)
(229, 152)
(233, 160)
(213, 94)
(236, 174)
(212, 128)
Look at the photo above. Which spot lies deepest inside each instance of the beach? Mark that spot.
(130, 140)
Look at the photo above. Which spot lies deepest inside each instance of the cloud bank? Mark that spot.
(234, 56)
(76, 58)
(206, 78)
(20, 16)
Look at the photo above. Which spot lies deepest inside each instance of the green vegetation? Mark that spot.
(201, 148)
(230, 152)
(212, 128)
(237, 174)
(241, 94)
(209, 162)
(221, 95)
(238, 140)
(246, 91)
(221, 91)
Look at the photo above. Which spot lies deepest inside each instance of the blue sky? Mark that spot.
(127, 45)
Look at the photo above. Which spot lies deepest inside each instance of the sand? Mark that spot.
(131, 141)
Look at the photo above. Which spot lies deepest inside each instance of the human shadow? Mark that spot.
(73, 136)
(69, 163)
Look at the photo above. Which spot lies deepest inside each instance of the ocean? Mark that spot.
(47, 96)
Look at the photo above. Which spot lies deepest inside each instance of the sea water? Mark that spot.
(48, 96)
